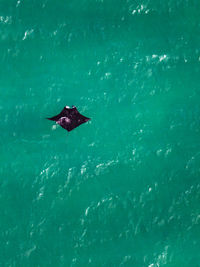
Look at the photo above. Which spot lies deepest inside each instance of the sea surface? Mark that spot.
(124, 188)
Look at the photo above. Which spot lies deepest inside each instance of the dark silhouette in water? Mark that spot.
(69, 118)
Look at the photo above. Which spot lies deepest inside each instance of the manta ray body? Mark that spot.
(69, 118)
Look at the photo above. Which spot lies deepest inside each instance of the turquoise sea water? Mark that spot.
(123, 189)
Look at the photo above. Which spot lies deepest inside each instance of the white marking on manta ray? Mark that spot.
(64, 119)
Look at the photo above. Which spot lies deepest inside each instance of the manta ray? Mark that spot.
(69, 118)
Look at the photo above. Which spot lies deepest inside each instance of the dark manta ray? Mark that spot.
(69, 118)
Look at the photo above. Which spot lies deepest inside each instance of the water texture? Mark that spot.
(124, 188)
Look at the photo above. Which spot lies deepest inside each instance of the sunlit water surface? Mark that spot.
(123, 189)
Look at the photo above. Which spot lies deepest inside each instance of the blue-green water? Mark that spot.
(123, 189)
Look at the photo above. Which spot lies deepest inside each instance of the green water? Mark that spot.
(122, 189)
